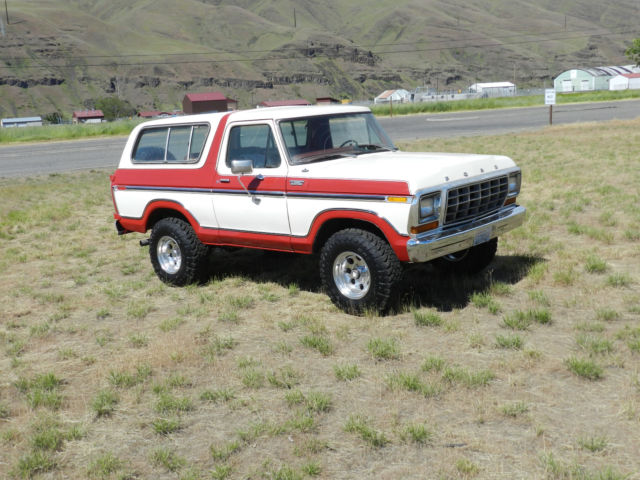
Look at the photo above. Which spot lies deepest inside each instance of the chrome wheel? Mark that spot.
(169, 255)
(351, 275)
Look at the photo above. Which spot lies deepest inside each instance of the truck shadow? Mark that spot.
(421, 284)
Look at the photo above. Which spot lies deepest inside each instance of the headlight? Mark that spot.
(514, 184)
(429, 206)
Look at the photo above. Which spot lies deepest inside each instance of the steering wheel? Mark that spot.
(349, 142)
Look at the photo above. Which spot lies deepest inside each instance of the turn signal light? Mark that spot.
(424, 228)
(510, 201)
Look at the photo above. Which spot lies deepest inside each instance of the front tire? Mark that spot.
(177, 255)
(470, 261)
(359, 270)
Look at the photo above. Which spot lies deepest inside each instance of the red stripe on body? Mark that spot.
(202, 177)
(348, 186)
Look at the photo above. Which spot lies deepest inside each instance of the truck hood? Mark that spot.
(419, 170)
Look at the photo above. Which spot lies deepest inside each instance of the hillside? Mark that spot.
(60, 55)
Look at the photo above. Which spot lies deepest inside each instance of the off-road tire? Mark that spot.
(470, 261)
(177, 255)
(370, 285)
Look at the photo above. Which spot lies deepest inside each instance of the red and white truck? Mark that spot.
(310, 180)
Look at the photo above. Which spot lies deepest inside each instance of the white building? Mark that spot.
(395, 96)
(494, 89)
(21, 122)
(626, 81)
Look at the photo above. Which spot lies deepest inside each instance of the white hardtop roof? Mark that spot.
(268, 113)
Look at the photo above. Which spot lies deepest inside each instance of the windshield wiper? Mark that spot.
(301, 160)
(374, 147)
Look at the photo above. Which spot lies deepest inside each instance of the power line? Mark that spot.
(359, 46)
(288, 57)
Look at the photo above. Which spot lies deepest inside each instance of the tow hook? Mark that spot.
(144, 243)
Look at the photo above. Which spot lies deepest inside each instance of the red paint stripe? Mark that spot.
(349, 186)
(202, 177)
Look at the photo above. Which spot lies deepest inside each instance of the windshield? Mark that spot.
(313, 139)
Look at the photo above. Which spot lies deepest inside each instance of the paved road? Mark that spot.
(56, 157)
(491, 122)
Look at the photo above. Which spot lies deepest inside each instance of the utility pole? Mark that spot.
(6, 11)
(295, 20)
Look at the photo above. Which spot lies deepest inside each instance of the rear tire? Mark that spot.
(470, 261)
(177, 255)
(359, 270)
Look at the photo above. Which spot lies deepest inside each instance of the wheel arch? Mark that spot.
(156, 211)
(331, 222)
(334, 225)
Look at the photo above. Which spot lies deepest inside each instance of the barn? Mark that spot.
(589, 79)
(207, 102)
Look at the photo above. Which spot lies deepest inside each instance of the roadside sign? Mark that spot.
(549, 96)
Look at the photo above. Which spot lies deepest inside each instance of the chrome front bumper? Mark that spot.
(434, 244)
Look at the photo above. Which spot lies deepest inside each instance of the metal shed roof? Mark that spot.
(611, 71)
(21, 120)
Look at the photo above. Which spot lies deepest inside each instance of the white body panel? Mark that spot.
(132, 203)
(303, 211)
(255, 213)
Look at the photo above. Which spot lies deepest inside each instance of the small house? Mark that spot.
(394, 96)
(88, 116)
(327, 101)
(207, 102)
(626, 81)
(284, 103)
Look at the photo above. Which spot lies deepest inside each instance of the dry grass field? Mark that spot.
(529, 371)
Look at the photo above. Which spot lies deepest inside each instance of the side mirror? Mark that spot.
(240, 167)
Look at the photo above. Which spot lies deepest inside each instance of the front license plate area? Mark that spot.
(482, 236)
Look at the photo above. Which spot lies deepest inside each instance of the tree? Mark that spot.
(114, 108)
(633, 52)
(53, 118)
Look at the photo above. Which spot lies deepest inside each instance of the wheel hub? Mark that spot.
(169, 255)
(351, 275)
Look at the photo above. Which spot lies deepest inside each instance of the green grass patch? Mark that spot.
(513, 342)
(347, 371)
(384, 349)
(427, 319)
(104, 403)
(585, 368)
(360, 425)
(318, 342)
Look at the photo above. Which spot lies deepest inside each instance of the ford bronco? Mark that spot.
(310, 180)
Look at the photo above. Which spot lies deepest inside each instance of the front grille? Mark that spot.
(475, 199)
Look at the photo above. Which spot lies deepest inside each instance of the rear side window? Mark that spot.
(174, 144)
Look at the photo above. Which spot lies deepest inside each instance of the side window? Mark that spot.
(175, 144)
(255, 143)
(151, 145)
(178, 144)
